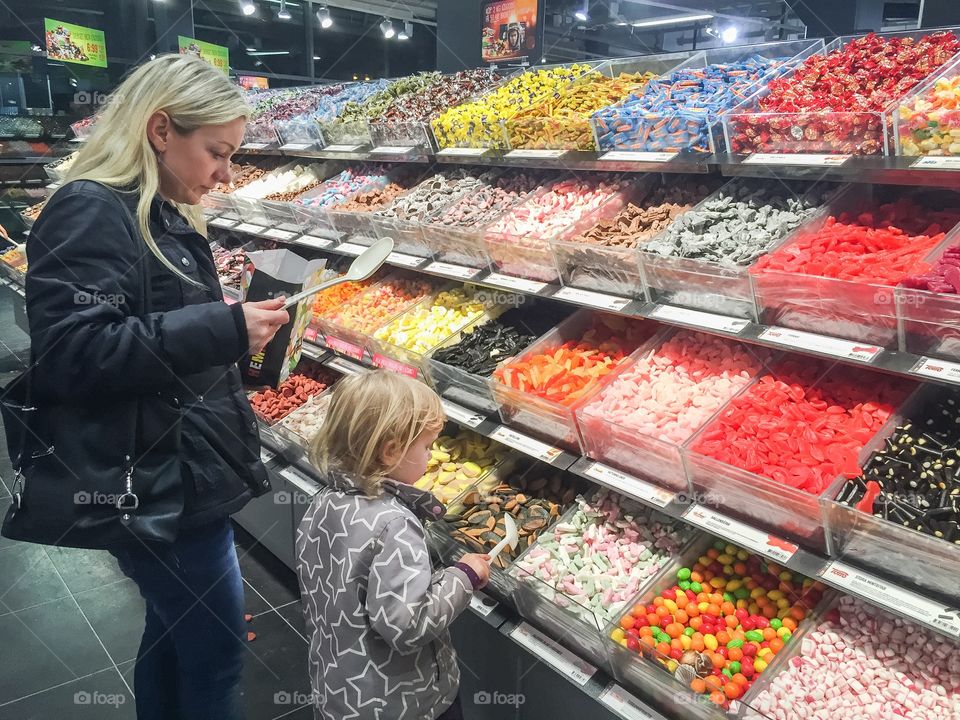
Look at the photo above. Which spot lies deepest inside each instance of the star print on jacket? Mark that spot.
(377, 613)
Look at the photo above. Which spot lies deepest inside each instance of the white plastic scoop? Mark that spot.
(365, 265)
(512, 538)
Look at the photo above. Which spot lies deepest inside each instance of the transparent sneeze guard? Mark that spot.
(756, 499)
(292, 428)
(915, 132)
(884, 545)
(529, 255)
(929, 322)
(600, 268)
(248, 200)
(858, 311)
(634, 129)
(552, 421)
(357, 226)
(709, 286)
(535, 129)
(491, 135)
(851, 132)
(463, 244)
(657, 460)
(261, 132)
(450, 489)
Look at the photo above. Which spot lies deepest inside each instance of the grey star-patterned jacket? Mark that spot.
(376, 611)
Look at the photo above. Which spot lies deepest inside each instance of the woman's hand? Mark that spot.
(3, 233)
(263, 318)
(480, 564)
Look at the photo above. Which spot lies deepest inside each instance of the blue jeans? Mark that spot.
(191, 654)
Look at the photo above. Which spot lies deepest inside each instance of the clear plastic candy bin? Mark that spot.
(924, 125)
(860, 311)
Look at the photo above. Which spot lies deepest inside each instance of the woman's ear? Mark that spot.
(158, 130)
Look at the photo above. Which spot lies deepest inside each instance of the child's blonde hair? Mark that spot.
(367, 413)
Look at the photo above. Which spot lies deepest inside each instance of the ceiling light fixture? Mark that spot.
(407, 31)
(323, 15)
(261, 53)
(677, 20)
(283, 13)
(316, 57)
(247, 7)
(729, 34)
(582, 14)
(386, 27)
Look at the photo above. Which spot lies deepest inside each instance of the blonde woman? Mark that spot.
(139, 438)
(376, 612)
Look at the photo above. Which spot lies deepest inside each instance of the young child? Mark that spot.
(376, 611)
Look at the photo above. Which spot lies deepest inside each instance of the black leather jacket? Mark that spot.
(82, 290)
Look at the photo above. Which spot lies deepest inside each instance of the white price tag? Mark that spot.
(249, 228)
(481, 604)
(514, 283)
(351, 248)
(311, 351)
(741, 533)
(593, 299)
(461, 414)
(894, 598)
(222, 222)
(635, 156)
(464, 152)
(821, 343)
(457, 271)
(938, 162)
(392, 150)
(526, 444)
(532, 154)
(672, 313)
(626, 705)
(266, 456)
(314, 241)
(255, 146)
(405, 260)
(629, 485)
(292, 475)
(342, 148)
(344, 366)
(931, 367)
(797, 159)
(296, 146)
(553, 654)
(278, 234)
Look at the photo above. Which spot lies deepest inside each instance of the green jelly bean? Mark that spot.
(735, 643)
(683, 573)
(726, 671)
(786, 636)
(684, 585)
(720, 545)
(696, 587)
(776, 623)
(754, 636)
(734, 667)
(728, 597)
(689, 631)
(741, 593)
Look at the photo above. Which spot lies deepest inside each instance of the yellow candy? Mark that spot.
(710, 642)
(760, 665)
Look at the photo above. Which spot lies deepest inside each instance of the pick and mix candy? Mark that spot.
(339, 188)
(801, 427)
(369, 311)
(930, 124)
(491, 198)
(562, 121)
(673, 389)
(879, 245)
(675, 112)
(912, 480)
(861, 662)
(457, 463)
(723, 621)
(328, 301)
(835, 103)
(738, 226)
(477, 123)
(595, 560)
(275, 404)
(434, 193)
(306, 420)
(427, 325)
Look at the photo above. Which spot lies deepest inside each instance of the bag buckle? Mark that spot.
(128, 504)
(17, 490)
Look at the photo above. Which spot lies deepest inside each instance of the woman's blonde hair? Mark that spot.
(367, 413)
(192, 92)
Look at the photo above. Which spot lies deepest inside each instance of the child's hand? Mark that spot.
(480, 564)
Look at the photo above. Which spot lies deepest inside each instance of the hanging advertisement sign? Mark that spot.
(510, 30)
(249, 82)
(216, 55)
(75, 43)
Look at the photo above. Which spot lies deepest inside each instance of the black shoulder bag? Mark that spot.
(78, 478)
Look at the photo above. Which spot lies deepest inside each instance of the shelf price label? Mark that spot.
(457, 271)
(222, 222)
(905, 602)
(255, 146)
(249, 228)
(278, 234)
(343, 347)
(741, 533)
(463, 152)
(591, 298)
(938, 162)
(349, 248)
(266, 456)
(393, 150)
(821, 343)
(626, 705)
(314, 241)
(310, 334)
(344, 366)
(514, 283)
(482, 604)
(461, 414)
(311, 351)
(808, 159)
(411, 261)
(553, 654)
(534, 154)
(526, 444)
(637, 156)
(724, 323)
(342, 148)
(389, 363)
(628, 484)
(296, 146)
(941, 369)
